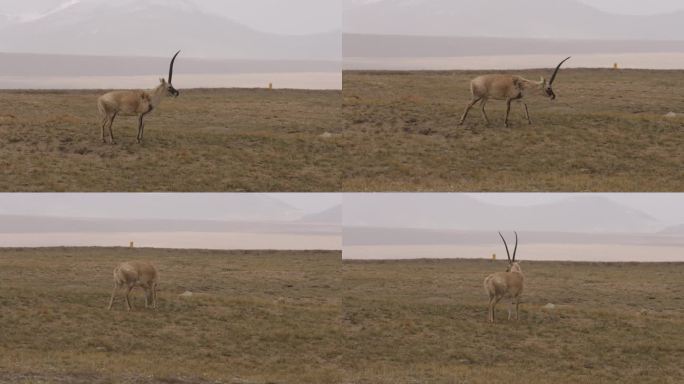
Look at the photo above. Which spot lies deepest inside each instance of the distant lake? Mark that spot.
(294, 80)
(550, 252)
(182, 240)
(624, 60)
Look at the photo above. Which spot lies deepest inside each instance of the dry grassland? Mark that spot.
(605, 132)
(425, 322)
(254, 317)
(222, 140)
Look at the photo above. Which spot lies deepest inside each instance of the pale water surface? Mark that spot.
(180, 240)
(304, 80)
(624, 60)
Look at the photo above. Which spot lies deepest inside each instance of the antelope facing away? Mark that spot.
(507, 284)
(509, 88)
(136, 103)
(136, 274)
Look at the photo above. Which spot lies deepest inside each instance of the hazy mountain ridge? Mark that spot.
(364, 45)
(567, 19)
(582, 214)
(242, 207)
(676, 230)
(157, 28)
(358, 236)
(331, 215)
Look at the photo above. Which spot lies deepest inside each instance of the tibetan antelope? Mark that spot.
(507, 284)
(136, 274)
(509, 88)
(136, 103)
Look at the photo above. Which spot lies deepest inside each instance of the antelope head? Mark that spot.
(513, 266)
(170, 90)
(548, 86)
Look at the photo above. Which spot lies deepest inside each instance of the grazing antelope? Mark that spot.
(509, 88)
(136, 274)
(505, 284)
(137, 103)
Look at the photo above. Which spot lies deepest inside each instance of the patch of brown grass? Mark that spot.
(205, 141)
(255, 317)
(424, 321)
(605, 132)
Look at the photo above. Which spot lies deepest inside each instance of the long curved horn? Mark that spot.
(506, 245)
(557, 69)
(171, 67)
(516, 246)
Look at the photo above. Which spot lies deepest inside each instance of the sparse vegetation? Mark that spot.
(222, 140)
(424, 321)
(605, 132)
(254, 317)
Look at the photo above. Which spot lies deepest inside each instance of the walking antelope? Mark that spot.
(136, 274)
(509, 88)
(137, 103)
(505, 284)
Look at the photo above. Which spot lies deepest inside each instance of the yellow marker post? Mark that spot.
(270, 86)
(493, 256)
(616, 66)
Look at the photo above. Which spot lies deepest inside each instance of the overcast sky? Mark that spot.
(631, 7)
(277, 16)
(616, 211)
(662, 206)
(636, 7)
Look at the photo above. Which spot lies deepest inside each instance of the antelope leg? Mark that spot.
(111, 132)
(111, 301)
(128, 302)
(508, 111)
(105, 121)
(154, 296)
(527, 113)
(484, 113)
(468, 107)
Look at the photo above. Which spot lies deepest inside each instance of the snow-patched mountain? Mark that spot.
(155, 28)
(559, 19)
(582, 214)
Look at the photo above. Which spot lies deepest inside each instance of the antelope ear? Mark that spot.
(162, 80)
(543, 80)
